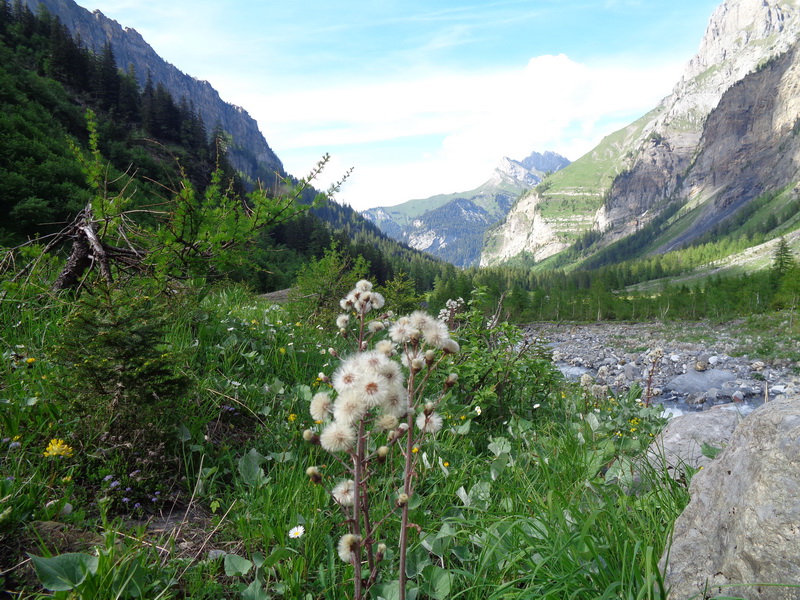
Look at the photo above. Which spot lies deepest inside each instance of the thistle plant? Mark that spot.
(375, 419)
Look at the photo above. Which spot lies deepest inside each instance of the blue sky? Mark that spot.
(425, 97)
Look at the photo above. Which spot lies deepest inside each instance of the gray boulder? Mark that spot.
(698, 382)
(742, 525)
(680, 443)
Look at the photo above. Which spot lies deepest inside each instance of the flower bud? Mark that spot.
(402, 500)
(382, 453)
(314, 475)
(311, 437)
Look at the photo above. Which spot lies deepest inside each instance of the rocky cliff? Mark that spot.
(452, 226)
(656, 158)
(249, 151)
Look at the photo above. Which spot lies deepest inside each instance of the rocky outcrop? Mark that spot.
(680, 444)
(741, 525)
(688, 149)
(249, 152)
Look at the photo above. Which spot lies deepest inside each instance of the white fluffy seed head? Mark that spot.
(337, 437)
(349, 408)
(320, 408)
(431, 423)
(344, 492)
(435, 333)
(450, 346)
(348, 546)
(385, 347)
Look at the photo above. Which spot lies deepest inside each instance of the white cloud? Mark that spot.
(468, 121)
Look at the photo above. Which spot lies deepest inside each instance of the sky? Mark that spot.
(422, 97)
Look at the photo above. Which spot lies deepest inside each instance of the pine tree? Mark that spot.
(782, 259)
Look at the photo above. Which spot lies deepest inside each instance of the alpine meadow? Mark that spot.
(220, 382)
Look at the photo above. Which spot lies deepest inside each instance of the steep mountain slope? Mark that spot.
(249, 152)
(451, 226)
(635, 173)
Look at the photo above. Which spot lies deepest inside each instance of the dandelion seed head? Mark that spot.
(375, 326)
(435, 333)
(387, 422)
(337, 437)
(385, 347)
(320, 408)
(400, 331)
(450, 346)
(344, 492)
(342, 321)
(345, 376)
(347, 547)
(364, 286)
(349, 408)
(378, 300)
(396, 402)
(419, 320)
(431, 423)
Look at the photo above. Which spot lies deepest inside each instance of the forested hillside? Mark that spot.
(150, 143)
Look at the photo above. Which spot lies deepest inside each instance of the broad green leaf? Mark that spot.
(64, 572)
(416, 560)
(500, 445)
(255, 591)
(479, 495)
(437, 582)
(236, 565)
(498, 465)
(250, 468)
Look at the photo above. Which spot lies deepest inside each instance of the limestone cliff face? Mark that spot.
(249, 152)
(673, 145)
(741, 35)
(750, 145)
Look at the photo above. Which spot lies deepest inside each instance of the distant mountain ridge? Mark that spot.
(451, 226)
(631, 178)
(249, 152)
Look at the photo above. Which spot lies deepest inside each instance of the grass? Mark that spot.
(511, 500)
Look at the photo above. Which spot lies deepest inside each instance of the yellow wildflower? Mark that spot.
(30, 360)
(292, 418)
(282, 350)
(58, 447)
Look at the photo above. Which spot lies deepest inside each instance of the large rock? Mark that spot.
(681, 443)
(697, 382)
(742, 525)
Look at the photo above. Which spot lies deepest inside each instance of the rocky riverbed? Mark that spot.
(703, 365)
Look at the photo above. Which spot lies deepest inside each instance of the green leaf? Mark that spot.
(710, 451)
(184, 435)
(236, 565)
(500, 445)
(282, 457)
(437, 582)
(255, 591)
(416, 560)
(64, 572)
(498, 465)
(250, 468)
(275, 557)
(391, 591)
